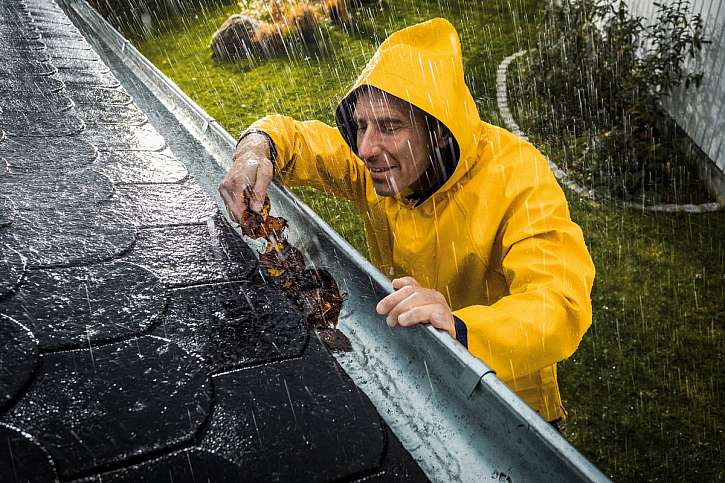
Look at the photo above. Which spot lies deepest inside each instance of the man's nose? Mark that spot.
(368, 145)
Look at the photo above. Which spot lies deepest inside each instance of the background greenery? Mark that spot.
(593, 86)
(645, 389)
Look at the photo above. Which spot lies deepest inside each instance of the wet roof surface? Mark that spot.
(138, 338)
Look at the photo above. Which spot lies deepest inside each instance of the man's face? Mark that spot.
(392, 140)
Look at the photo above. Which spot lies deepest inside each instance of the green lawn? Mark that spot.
(644, 390)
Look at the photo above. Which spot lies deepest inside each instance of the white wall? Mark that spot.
(701, 112)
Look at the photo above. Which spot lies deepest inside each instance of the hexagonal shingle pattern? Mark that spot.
(94, 407)
(139, 341)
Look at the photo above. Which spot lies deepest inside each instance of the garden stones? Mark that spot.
(235, 39)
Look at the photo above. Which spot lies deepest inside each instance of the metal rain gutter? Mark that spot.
(449, 410)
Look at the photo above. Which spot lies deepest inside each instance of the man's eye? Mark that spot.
(388, 129)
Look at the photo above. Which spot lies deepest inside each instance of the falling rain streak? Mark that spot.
(141, 299)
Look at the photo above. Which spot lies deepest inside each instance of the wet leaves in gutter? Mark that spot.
(313, 290)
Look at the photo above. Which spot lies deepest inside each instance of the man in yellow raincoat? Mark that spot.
(466, 218)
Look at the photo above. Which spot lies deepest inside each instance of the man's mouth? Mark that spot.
(381, 170)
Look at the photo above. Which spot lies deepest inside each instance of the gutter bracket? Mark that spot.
(469, 378)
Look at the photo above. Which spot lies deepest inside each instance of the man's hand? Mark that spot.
(412, 304)
(250, 167)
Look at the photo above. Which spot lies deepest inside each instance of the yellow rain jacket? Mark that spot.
(496, 239)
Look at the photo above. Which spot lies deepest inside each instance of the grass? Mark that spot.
(644, 390)
(651, 369)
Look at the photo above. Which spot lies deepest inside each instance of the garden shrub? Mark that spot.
(264, 27)
(602, 74)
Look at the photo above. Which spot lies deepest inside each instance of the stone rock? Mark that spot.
(236, 38)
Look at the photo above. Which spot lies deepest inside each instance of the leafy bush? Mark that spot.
(603, 73)
(265, 28)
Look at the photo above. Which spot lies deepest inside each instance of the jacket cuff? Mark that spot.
(270, 143)
(461, 331)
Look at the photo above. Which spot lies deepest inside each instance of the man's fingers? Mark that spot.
(265, 172)
(419, 314)
(404, 281)
(437, 315)
(228, 199)
(386, 304)
(231, 215)
(413, 300)
(233, 194)
(238, 206)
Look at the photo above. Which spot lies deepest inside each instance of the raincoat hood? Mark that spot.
(422, 65)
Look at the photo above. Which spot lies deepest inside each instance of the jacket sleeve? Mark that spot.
(312, 153)
(549, 273)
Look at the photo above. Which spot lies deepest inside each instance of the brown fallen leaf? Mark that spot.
(260, 225)
(314, 291)
(281, 254)
(321, 303)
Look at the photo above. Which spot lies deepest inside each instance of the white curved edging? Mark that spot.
(511, 125)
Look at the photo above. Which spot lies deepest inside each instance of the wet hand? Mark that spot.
(251, 168)
(411, 304)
